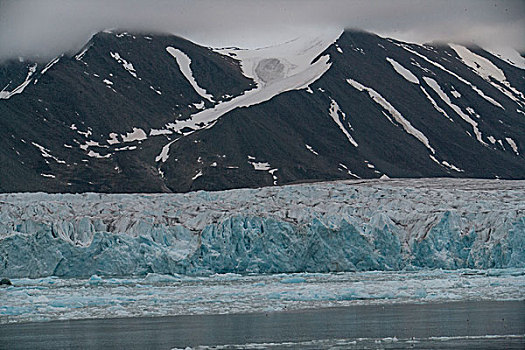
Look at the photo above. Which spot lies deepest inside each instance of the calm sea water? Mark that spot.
(450, 325)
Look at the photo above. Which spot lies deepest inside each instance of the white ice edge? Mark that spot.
(352, 343)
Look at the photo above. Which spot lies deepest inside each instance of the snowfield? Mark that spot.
(326, 227)
(275, 69)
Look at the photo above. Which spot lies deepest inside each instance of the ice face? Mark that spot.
(340, 226)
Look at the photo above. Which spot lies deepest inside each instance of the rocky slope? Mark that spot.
(157, 113)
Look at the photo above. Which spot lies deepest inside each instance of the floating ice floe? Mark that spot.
(154, 294)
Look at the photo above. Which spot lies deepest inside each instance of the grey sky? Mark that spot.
(46, 28)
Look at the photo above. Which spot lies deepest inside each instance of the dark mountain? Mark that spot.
(157, 113)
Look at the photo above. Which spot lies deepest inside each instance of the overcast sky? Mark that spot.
(47, 28)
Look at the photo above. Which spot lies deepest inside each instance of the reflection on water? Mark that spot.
(467, 342)
(450, 325)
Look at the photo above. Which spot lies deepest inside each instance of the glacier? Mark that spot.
(354, 225)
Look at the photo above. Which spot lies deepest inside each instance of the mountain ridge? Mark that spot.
(126, 115)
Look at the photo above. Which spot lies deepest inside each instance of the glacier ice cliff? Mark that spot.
(332, 226)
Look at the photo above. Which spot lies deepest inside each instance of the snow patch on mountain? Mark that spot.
(464, 81)
(380, 100)
(508, 55)
(482, 66)
(435, 86)
(184, 63)
(455, 93)
(199, 174)
(488, 71)
(136, 135)
(50, 64)
(157, 91)
(4, 94)
(274, 177)
(264, 166)
(112, 138)
(337, 114)
(348, 171)
(310, 148)
(289, 58)
(156, 132)
(435, 105)
(297, 72)
(94, 154)
(452, 166)
(128, 66)
(404, 72)
(81, 54)
(125, 148)
(164, 154)
(513, 145)
(46, 153)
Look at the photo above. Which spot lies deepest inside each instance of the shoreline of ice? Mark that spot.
(52, 298)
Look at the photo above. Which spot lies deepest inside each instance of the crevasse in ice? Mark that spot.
(339, 226)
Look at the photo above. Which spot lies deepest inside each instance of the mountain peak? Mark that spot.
(142, 112)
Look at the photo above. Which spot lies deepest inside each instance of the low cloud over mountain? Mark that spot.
(47, 28)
